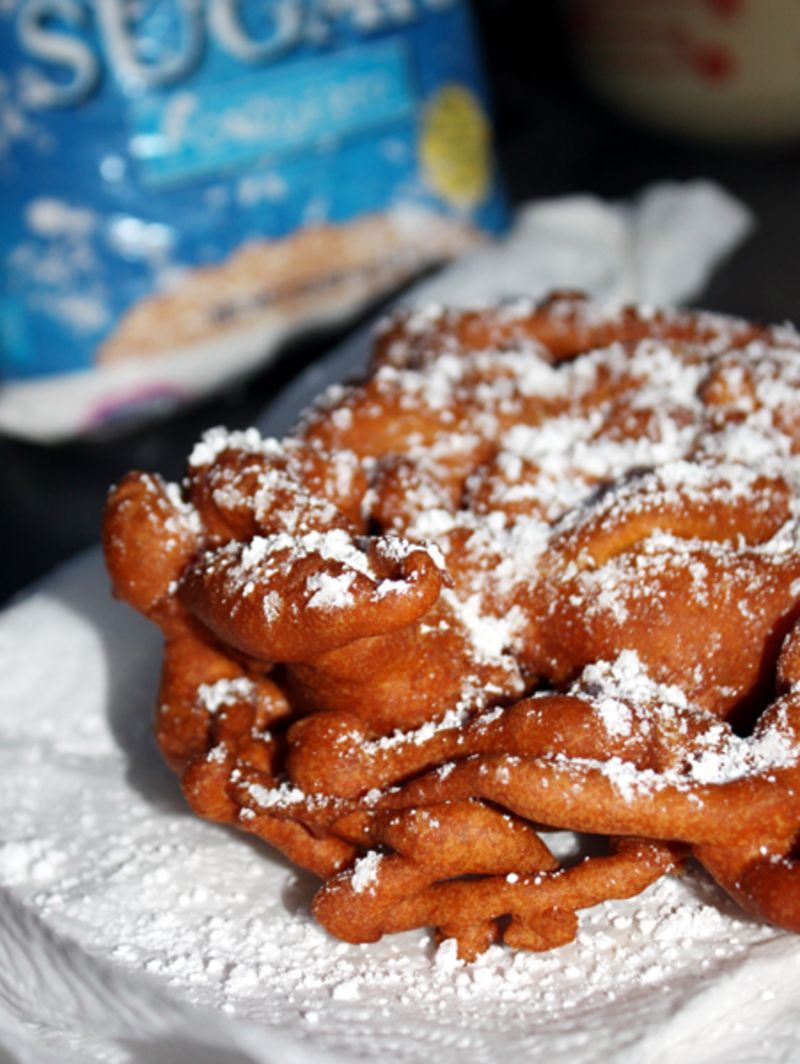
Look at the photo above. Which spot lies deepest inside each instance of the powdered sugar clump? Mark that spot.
(365, 872)
(214, 696)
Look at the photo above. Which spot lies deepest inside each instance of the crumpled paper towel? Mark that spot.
(131, 931)
(659, 248)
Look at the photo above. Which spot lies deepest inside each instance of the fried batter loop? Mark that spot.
(540, 568)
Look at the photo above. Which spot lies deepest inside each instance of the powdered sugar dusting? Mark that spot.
(330, 592)
(626, 699)
(283, 796)
(214, 696)
(625, 680)
(365, 872)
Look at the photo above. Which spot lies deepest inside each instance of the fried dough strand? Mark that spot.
(540, 569)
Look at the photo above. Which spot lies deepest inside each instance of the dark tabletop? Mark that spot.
(552, 138)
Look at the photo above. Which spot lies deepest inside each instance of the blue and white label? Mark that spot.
(152, 148)
(265, 117)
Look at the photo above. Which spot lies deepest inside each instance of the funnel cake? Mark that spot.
(541, 568)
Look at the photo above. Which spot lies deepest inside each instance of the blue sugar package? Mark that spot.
(188, 183)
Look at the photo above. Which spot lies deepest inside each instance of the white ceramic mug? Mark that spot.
(727, 70)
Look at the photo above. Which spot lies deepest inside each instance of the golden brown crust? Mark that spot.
(531, 571)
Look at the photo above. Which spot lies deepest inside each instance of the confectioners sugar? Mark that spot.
(131, 930)
(111, 883)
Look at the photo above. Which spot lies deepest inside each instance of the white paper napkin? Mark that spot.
(659, 248)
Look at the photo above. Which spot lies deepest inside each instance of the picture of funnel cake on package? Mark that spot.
(540, 569)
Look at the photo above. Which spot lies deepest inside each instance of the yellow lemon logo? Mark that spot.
(455, 146)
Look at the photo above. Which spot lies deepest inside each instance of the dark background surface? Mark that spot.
(552, 138)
